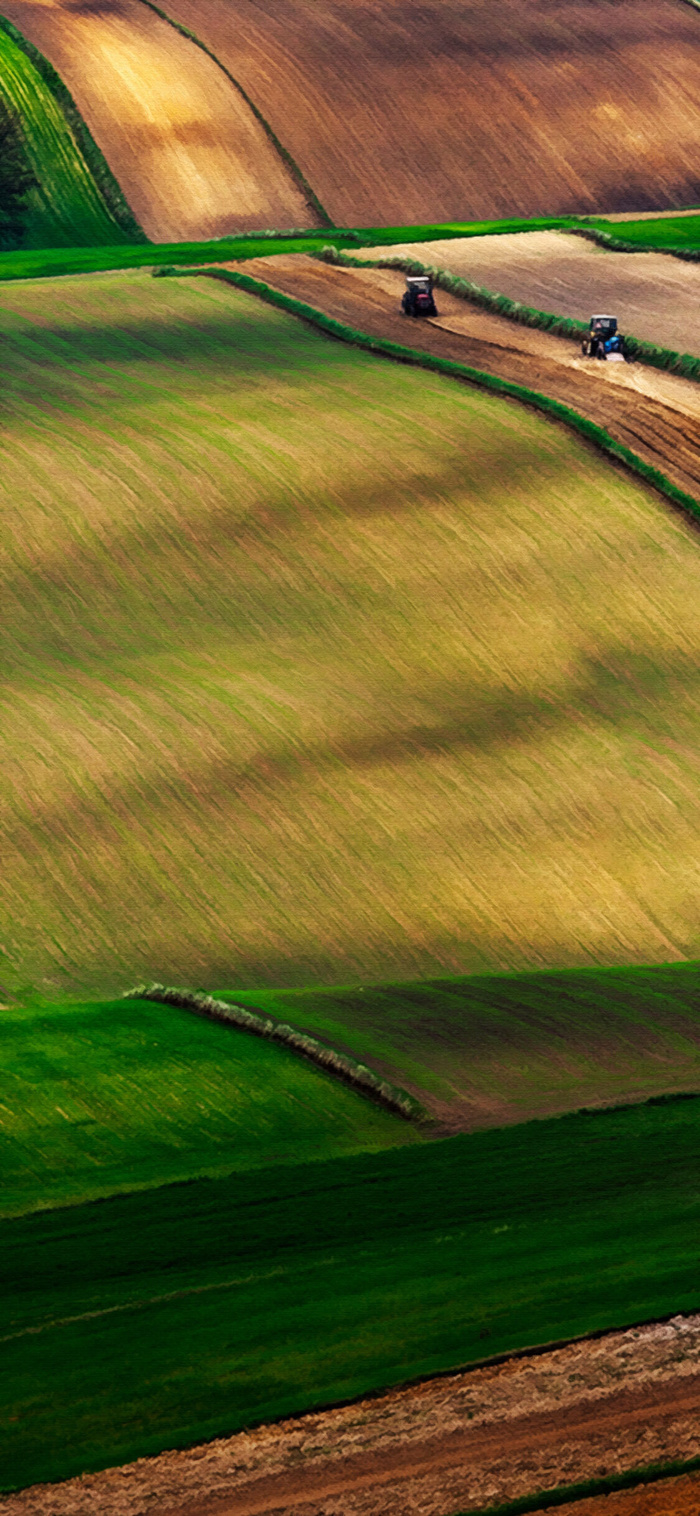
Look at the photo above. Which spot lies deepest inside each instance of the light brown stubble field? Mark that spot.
(318, 668)
(185, 147)
(655, 297)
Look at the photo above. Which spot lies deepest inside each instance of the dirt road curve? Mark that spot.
(452, 1444)
(655, 415)
(656, 298)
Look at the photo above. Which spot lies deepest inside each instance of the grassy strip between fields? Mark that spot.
(47, 263)
(618, 243)
(290, 163)
(117, 214)
(332, 1062)
(683, 364)
(608, 1484)
(552, 408)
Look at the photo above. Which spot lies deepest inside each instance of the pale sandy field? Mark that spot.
(654, 297)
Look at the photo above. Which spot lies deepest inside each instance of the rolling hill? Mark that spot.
(66, 207)
(317, 667)
(417, 110)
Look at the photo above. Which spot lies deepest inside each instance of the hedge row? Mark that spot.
(554, 409)
(683, 364)
(110, 190)
(339, 1064)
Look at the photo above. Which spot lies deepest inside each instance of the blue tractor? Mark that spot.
(603, 340)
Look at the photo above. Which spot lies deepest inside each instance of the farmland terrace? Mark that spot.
(291, 702)
(383, 110)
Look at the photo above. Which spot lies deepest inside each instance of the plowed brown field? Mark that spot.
(654, 414)
(654, 297)
(452, 1444)
(185, 147)
(418, 110)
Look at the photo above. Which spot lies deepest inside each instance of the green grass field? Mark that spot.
(490, 1049)
(66, 209)
(667, 232)
(156, 1320)
(318, 668)
(41, 260)
(119, 1096)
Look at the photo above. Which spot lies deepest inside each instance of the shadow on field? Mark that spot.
(480, 722)
(53, 364)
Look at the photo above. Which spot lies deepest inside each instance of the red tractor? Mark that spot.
(418, 299)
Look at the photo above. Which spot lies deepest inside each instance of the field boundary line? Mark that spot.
(554, 409)
(607, 1484)
(685, 365)
(108, 186)
(340, 1065)
(290, 163)
(615, 244)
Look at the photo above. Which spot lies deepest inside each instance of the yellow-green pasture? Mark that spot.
(316, 667)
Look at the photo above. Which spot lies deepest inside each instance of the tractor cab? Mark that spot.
(418, 299)
(603, 339)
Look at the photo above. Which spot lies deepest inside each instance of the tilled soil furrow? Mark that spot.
(594, 1429)
(662, 436)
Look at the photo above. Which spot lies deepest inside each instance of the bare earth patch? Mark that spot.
(436, 110)
(455, 1443)
(654, 297)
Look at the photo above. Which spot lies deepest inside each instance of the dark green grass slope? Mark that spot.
(67, 207)
(668, 233)
(126, 1094)
(150, 1321)
(503, 1047)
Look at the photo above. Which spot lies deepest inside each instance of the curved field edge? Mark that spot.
(496, 1049)
(554, 409)
(608, 1484)
(52, 262)
(106, 185)
(683, 364)
(299, 178)
(332, 1062)
(299, 1289)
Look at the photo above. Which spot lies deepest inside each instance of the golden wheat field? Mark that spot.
(185, 147)
(316, 667)
(449, 110)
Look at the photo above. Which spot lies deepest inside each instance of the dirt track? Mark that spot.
(450, 1444)
(420, 110)
(187, 151)
(664, 431)
(654, 297)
